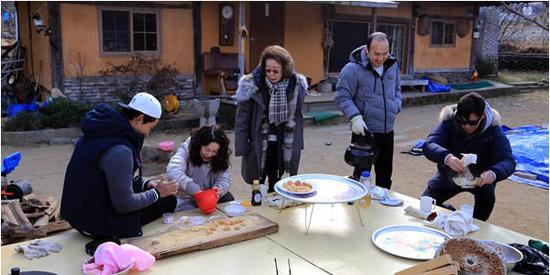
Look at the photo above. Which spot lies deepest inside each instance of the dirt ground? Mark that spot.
(519, 207)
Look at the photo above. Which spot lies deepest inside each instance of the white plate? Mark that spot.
(282, 182)
(409, 241)
(234, 210)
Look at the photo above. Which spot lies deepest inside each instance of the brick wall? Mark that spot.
(111, 89)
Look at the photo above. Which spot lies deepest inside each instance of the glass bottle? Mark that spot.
(256, 194)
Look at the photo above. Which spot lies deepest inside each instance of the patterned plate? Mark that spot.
(409, 241)
(329, 189)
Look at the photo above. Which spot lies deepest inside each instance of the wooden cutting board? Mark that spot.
(209, 235)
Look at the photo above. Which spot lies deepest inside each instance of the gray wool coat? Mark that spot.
(250, 109)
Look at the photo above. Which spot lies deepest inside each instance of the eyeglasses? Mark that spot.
(268, 71)
(469, 122)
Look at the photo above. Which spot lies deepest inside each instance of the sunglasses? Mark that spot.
(268, 71)
(469, 122)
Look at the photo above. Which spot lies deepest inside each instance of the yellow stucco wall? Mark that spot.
(442, 58)
(210, 25)
(80, 35)
(177, 39)
(303, 34)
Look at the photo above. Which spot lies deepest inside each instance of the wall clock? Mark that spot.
(227, 19)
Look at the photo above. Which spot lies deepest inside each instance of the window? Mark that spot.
(127, 31)
(116, 31)
(145, 32)
(442, 34)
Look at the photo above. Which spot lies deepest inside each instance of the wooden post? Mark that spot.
(412, 36)
(56, 50)
(374, 19)
(197, 45)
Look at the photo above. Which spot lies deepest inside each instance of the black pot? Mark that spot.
(361, 154)
(360, 157)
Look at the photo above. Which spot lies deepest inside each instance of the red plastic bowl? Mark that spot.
(206, 200)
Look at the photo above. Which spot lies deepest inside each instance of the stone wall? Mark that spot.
(451, 76)
(489, 19)
(111, 89)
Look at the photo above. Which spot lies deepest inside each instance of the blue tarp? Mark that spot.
(530, 149)
(434, 87)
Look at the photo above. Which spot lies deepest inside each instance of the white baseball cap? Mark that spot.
(146, 104)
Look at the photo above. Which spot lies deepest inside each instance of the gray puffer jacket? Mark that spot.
(361, 91)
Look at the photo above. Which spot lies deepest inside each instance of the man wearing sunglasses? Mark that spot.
(473, 127)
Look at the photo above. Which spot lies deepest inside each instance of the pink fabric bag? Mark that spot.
(111, 258)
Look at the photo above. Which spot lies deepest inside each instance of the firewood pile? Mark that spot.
(30, 218)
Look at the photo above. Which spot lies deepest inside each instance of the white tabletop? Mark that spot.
(336, 244)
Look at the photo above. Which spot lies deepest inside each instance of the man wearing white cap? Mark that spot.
(104, 194)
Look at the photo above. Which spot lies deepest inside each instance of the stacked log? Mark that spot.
(30, 218)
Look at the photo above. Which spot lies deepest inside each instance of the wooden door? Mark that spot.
(266, 28)
(348, 35)
(398, 36)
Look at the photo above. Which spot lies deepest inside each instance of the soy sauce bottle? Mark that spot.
(256, 194)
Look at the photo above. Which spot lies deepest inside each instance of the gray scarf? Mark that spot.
(288, 116)
(278, 103)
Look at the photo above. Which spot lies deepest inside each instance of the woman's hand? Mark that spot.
(218, 192)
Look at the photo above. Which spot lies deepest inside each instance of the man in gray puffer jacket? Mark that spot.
(369, 94)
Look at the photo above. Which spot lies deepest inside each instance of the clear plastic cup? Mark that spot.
(168, 218)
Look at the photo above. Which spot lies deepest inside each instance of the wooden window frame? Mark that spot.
(445, 22)
(157, 12)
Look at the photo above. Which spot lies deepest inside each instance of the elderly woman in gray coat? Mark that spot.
(201, 162)
(269, 124)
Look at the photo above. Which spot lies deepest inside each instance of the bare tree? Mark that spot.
(536, 20)
(77, 64)
(509, 27)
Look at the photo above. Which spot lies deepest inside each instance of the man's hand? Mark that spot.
(167, 188)
(486, 177)
(358, 125)
(152, 184)
(455, 163)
